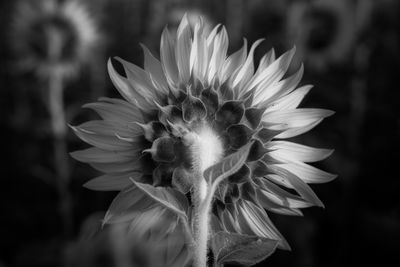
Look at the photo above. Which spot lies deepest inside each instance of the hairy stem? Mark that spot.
(206, 150)
(201, 224)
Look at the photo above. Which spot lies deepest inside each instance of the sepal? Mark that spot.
(238, 135)
(193, 108)
(231, 112)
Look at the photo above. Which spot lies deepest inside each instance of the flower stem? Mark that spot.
(206, 150)
(201, 223)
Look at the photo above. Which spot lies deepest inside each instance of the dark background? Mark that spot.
(351, 53)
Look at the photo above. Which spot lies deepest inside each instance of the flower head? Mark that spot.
(50, 35)
(195, 114)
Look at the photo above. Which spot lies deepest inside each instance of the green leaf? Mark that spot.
(228, 166)
(170, 198)
(242, 249)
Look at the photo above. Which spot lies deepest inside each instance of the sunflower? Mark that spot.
(202, 134)
(53, 36)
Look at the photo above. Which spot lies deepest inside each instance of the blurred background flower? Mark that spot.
(53, 36)
(53, 40)
(360, 225)
(324, 31)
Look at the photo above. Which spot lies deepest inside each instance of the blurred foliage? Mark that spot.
(350, 51)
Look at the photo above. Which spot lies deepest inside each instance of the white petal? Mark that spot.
(168, 63)
(220, 49)
(94, 154)
(210, 41)
(212, 36)
(279, 89)
(182, 49)
(290, 101)
(229, 222)
(153, 66)
(281, 196)
(279, 180)
(199, 53)
(111, 128)
(254, 219)
(113, 181)
(116, 167)
(140, 80)
(247, 70)
(301, 187)
(288, 151)
(265, 61)
(116, 112)
(106, 142)
(268, 202)
(233, 63)
(308, 173)
(292, 132)
(270, 57)
(296, 117)
(273, 73)
(126, 89)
